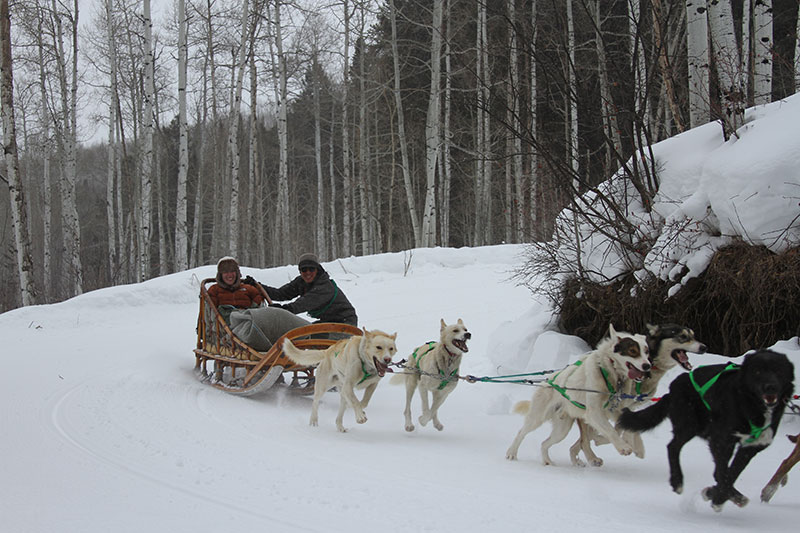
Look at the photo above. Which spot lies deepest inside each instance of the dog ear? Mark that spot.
(442, 325)
(652, 329)
(460, 322)
(612, 333)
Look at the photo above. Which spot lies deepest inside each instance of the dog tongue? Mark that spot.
(381, 368)
(635, 374)
(683, 359)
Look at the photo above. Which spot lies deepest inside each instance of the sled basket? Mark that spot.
(239, 369)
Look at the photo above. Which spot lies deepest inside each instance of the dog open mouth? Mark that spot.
(770, 399)
(634, 373)
(381, 368)
(682, 358)
(461, 345)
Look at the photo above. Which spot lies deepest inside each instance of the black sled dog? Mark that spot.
(728, 405)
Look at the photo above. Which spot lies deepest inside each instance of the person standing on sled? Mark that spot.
(315, 292)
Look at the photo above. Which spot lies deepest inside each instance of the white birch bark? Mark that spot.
(747, 44)
(256, 250)
(346, 187)
(367, 232)
(762, 52)
(111, 178)
(46, 174)
(534, 163)
(572, 103)
(726, 59)
(432, 132)
(483, 200)
(698, 58)
(19, 215)
(281, 96)
(233, 131)
(608, 109)
(146, 178)
(68, 82)
(401, 132)
(639, 69)
(319, 219)
(446, 174)
(181, 222)
(333, 243)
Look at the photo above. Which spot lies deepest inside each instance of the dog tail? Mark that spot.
(302, 357)
(522, 408)
(646, 418)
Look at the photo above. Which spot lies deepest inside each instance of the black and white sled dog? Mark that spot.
(668, 345)
(433, 369)
(728, 405)
(582, 391)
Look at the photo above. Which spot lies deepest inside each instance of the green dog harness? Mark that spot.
(418, 357)
(755, 431)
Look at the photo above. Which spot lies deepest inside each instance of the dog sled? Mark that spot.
(228, 363)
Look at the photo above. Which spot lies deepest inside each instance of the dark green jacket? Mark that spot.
(321, 299)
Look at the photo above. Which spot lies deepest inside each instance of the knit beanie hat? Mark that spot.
(309, 260)
(228, 264)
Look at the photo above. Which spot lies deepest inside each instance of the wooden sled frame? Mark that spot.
(229, 354)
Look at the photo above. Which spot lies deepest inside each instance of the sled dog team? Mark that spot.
(736, 408)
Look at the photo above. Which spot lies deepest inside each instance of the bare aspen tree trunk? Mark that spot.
(445, 177)
(747, 48)
(401, 132)
(516, 123)
(161, 201)
(334, 243)
(483, 174)
(665, 67)
(697, 53)
(146, 180)
(762, 52)
(432, 125)
(181, 222)
(511, 132)
(639, 69)
(319, 226)
(19, 215)
(69, 208)
(572, 103)
(346, 187)
(727, 61)
(608, 108)
(534, 162)
(111, 179)
(797, 53)
(285, 246)
(47, 244)
(233, 133)
(367, 225)
(255, 208)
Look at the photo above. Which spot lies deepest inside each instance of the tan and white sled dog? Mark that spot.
(358, 362)
(433, 368)
(583, 390)
(668, 345)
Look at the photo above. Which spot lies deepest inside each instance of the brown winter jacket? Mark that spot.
(238, 296)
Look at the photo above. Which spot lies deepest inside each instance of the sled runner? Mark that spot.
(226, 362)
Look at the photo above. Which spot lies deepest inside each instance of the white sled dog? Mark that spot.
(358, 362)
(433, 368)
(668, 345)
(583, 391)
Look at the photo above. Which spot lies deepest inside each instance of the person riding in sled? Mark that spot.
(312, 292)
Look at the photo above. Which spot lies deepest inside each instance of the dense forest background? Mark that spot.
(143, 143)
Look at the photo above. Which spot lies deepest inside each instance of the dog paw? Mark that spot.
(423, 421)
(361, 419)
(342, 429)
(597, 462)
(438, 425)
(410, 427)
(768, 492)
(677, 489)
(739, 499)
(577, 462)
(313, 422)
(511, 456)
(625, 450)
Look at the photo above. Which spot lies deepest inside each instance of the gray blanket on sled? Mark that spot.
(261, 326)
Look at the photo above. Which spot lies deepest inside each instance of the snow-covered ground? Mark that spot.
(106, 428)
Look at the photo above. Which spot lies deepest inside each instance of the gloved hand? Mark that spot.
(250, 281)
